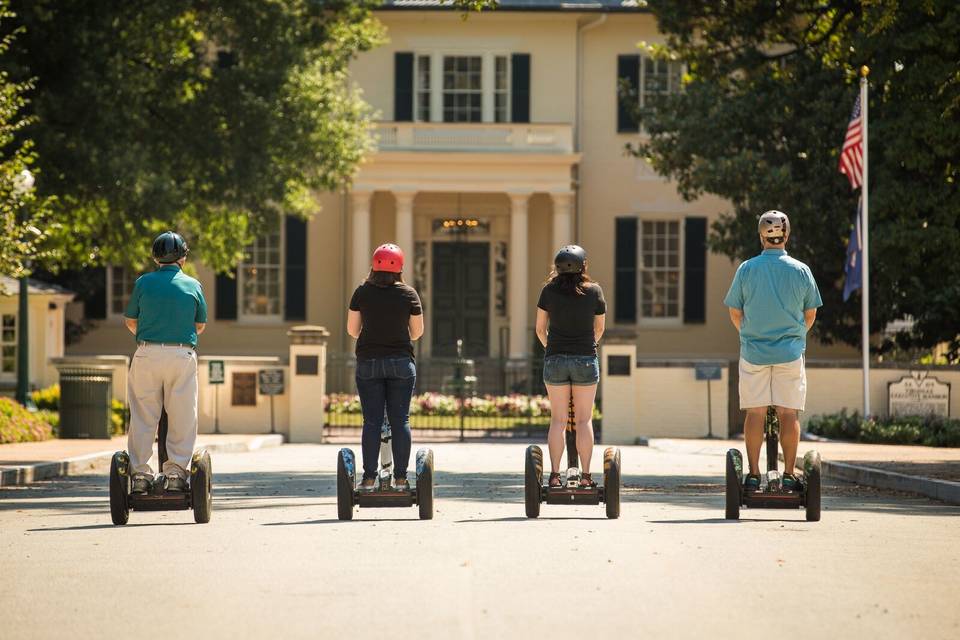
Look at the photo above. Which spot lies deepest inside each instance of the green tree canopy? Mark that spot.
(207, 117)
(769, 91)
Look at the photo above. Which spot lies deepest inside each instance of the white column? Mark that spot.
(403, 234)
(361, 236)
(562, 234)
(517, 299)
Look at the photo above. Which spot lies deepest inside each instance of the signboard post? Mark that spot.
(270, 382)
(708, 371)
(918, 394)
(216, 377)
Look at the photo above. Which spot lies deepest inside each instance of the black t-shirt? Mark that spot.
(570, 331)
(385, 313)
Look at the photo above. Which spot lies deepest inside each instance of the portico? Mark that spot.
(513, 190)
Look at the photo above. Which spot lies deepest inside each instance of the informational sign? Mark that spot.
(215, 372)
(270, 381)
(708, 370)
(919, 394)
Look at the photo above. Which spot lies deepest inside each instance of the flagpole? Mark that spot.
(865, 258)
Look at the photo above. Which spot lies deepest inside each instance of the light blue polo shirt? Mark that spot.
(166, 303)
(773, 290)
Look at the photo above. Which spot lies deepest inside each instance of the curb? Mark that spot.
(27, 474)
(943, 490)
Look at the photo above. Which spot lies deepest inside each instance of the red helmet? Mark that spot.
(388, 257)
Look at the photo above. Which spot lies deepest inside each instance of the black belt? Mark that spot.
(145, 343)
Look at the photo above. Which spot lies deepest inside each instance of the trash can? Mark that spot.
(85, 399)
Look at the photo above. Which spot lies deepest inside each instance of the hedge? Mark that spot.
(931, 431)
(19, 425)
(438, 404)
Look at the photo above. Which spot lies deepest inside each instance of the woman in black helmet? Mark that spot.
(570, 321)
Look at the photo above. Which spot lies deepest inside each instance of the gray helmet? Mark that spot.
(570, 259)
(774, 226)
(168, 247)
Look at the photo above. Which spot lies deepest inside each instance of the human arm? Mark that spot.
(354, 323)
(200, 319)
(543, 318)
(811, 301)
(200, 327)
(416, 327)
(599, 323)
(809, 317)
(132, 311)
(131, 324)
(736, 316)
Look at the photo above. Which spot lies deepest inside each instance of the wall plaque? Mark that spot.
(918, 394)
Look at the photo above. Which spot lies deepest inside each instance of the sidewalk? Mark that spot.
(930, 471)
(26, 462)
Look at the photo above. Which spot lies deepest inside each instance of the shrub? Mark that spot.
(49, 400)
(931, 431)
(19, 425)
(438, 404)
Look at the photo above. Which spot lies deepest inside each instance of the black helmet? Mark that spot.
(169, 247)
(570, 259)
(774, 226)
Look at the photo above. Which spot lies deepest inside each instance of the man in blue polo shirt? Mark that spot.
(167, 311)
(773, 303)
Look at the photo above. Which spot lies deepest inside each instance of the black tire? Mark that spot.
(425, 483)
(811, 476)
(345, 484)
(201, 486)
(734, 484)
(611, 481)
(119, 488)
(532, 480)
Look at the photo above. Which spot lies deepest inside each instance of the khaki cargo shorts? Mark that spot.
(781, 385)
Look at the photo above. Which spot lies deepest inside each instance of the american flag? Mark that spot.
(851, 155)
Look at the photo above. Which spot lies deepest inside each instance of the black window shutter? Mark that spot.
(695, 271)
(520, 88)
(403, 87)
(95, 306)
(628, 73)
(295, 270)
(625, 276)
(226, 296)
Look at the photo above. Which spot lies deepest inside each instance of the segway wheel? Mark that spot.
(425, 483)
(346, 469)
(811, 478)
(611, 481)
(119, 488)
(533, 480)
(734, 484)
(201, 486)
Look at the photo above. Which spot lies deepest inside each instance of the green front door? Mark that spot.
(461, 298)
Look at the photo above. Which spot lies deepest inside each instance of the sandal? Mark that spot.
(586, 481)
(554, 481)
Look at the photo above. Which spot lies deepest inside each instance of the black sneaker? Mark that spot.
(789, 482)
(141, 483)
(751, 482)
(176, 484)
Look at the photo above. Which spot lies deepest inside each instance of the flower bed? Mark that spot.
(19, 425)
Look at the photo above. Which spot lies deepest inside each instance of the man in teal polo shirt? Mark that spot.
(166, 313)
(773, 303)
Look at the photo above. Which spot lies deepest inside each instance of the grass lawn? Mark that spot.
(448, 422)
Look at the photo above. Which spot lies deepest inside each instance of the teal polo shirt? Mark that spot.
(166, 304)
(773, 290)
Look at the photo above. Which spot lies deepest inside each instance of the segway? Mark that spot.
(771, 494)
(570, 491)
(196, 497)
(350, 495)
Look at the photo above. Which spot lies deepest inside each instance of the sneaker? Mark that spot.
(401, 484)
(789, 482)
(368, 485)
(141, 483)
(751, 482)
(176, 483)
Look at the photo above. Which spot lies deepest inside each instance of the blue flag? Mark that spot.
(853, 271)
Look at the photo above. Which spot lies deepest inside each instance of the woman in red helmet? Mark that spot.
(385, 317)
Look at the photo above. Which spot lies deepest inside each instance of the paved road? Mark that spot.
(275, 562)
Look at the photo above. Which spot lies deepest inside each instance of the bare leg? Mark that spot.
(789, 436)
(559, 395)
(753, 435)
(583, 396)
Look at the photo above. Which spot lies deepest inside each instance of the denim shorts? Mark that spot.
(575, 370)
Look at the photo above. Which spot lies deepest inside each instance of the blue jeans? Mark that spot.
(576, 370)
(386, 385)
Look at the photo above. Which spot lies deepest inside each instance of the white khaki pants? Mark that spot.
(163, 377)
(780, 385)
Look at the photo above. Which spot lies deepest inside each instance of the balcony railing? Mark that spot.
(474, 137)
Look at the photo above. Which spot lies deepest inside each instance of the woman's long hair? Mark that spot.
(384, 279)
(570, 283)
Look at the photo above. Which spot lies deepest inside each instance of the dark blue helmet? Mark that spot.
(570, 259)
(169, 247)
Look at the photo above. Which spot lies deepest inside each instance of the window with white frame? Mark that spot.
(8, 343)
(470, 88)
(261, 278)
(658, 78)
(660, 269)
(120, 283)
(462, 89)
